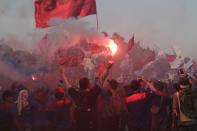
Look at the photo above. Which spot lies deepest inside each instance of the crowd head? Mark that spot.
(8, 96)
(84, 83)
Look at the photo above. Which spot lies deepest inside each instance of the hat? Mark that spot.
(113, 83)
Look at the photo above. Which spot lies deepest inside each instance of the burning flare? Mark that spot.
(112, 46)
(33, 77)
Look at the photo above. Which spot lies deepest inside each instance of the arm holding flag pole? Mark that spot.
(101, 78)
(97, 20)
(152, 88)
(65, 78)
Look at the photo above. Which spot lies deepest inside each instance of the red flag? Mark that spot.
(94, 48)
(145, 60)
(131, 43)
(48, 9)
(70, 57)
(170, 58)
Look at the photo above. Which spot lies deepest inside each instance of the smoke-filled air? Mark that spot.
(60, 71)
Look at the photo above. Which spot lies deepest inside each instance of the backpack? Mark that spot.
(188, 102)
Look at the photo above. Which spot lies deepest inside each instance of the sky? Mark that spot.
(154, 22)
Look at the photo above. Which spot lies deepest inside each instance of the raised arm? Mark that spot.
(152, 88)
(65, 78)
(101, 79)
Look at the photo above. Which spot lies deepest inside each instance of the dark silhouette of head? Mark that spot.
(184, 82)
(84, 83)
(176, 86)
(40, 95)
(135, 85)
(113, 83)
(59, 93)
(8, 96)
(159, 85)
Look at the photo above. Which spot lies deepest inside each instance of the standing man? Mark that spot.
(112, 107)
(138, 109)
(8, 119)
(184, 106)
(85, 100)
(60, 110)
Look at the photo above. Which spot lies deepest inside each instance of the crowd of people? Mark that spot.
(104, 105)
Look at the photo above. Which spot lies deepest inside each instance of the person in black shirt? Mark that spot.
(8, 119)
(138, 106)
(138, 109)
(59, 109)
(85, 100)
(160, 105)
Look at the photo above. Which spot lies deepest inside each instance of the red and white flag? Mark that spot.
(45, 10)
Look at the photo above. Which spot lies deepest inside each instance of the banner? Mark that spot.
(45, 10)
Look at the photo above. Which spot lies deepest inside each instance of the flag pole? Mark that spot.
(97, 23)
(97, 20)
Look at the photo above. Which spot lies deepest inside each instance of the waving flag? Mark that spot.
(151, 56)
(48, 9)
(170, 57)
(95, 49)
(131, 43)
(71, 57)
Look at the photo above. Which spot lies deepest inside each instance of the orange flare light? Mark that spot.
(113, 47)
(33, 77)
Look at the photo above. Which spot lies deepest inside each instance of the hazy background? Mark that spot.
(160, 22)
